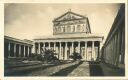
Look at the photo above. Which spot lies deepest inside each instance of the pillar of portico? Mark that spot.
(72, 49)
(114, 48)
(24, 50)
(85, 56)
(60, 57)
(28, 52)
(19, 50)
(98, 55)
(34, 48)
(57, 51)
(14, 50)
(44, 46)
(113, 51)
(38, 48)
(9, 53)
(54, 47)
(78, 47)
(49, 46)
(93, 52)
(118, 49)
(65, 57)
(111, 48)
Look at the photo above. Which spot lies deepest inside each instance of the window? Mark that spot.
(78, 28)
(63, 29)
(83, 28)
(59, 29)
(73, 28)
(68, 28)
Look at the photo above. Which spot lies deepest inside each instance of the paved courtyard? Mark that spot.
(75, 69)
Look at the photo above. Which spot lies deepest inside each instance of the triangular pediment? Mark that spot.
(69, 16)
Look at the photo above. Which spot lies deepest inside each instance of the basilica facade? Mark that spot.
(71, 33)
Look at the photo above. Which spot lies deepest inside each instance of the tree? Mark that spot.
(36, 57)
(49, 56)
(76, 56)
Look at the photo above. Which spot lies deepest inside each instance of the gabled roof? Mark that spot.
(69, 16)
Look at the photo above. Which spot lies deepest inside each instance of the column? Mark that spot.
(111, 49)
(54, 47)
(19, 50)
(57, 50)
(78, 47)
(14, 50)
(49, 45)
(28, 51)
(34, 48)
(9, 53)
(38, 48)
(72, 49)
(85, 51)
(24, 51)
(43, 46)
(60, 57)
(115, 54)
(114, 48)
(118, 52)
(65, 57)
(98, 55)
(92, 57)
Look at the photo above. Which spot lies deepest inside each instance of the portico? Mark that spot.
(87, 47)
(17, 48)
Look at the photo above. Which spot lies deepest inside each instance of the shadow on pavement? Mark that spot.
(95, 69)
(66, 71)
(24, 72)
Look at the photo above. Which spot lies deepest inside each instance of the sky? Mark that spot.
(31, 20)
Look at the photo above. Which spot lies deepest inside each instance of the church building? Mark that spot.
(71, 33)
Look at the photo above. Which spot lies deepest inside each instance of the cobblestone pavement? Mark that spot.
(51, 70)
(82, 70)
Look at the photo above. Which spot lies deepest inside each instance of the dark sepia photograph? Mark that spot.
(64, 40)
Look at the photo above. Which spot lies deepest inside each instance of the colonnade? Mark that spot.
(13, 49)
(113, 51)
(65, 49)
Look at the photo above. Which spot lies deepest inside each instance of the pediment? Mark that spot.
(69, 16)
